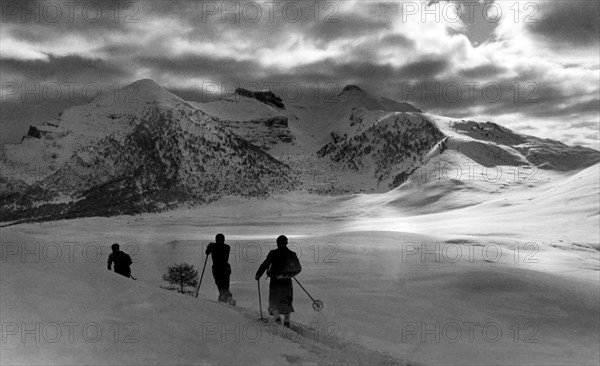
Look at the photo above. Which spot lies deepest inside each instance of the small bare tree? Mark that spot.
(182, 274)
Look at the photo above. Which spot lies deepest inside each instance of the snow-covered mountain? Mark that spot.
(131, 157)
(392, 148)
(258, 117)
(150, 149)
(386, 150)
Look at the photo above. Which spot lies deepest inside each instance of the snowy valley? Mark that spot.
(430, 239)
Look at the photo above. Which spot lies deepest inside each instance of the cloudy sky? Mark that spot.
(530, 65)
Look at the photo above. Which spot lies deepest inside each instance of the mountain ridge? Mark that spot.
(156, 151)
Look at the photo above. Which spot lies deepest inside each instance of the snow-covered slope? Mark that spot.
(259, 117)
(360, 255)
(114, 320)
(352, 94)
(490, 144)
(558, 208)
(240, 106)
(387, 150)
(393, 148)
(346, 112)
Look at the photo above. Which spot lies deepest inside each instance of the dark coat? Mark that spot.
(281, 296)
(122, 262)
(221, 269)
(219, 253)
(281, 264)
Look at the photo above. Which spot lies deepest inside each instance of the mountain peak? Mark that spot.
(145, 84)
(351, 87)
(148, 90)
(264, 96)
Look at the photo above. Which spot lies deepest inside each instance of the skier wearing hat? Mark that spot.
(281, 265)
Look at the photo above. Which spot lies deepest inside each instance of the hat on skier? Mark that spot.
(282, 241)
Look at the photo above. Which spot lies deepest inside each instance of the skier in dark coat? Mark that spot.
(121, 260)
(281, 265)
(221, 269)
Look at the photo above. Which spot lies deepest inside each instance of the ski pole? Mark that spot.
(264, 320)
(202, 276)
(317, 304)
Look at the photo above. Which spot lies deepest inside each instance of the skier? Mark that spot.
(121, 259)
(281, 265)
(221, 269)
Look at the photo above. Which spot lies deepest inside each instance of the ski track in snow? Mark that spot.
(323, 344)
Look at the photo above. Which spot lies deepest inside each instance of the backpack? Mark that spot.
(291, 267)
(122, 259)
(122, 262)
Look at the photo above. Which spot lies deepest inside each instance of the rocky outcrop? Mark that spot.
(348, 88)
(46, 130)
(266, 97)
(387, 150)
(263, 132)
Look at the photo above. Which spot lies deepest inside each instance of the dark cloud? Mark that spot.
(397, 40)
(568, 23)
(586, 124)
(232, 72)
(333, 71)
(43, 21)
(457, 96)
(426, 68)
(346, 26)
(115, 50)
(210, 18)
(483, 71)
(201, 65)
(69, 68)
(278, 23)
(383, 9)
(31, 34)
(550, 109)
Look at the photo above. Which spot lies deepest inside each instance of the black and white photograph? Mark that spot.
(309, 182)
